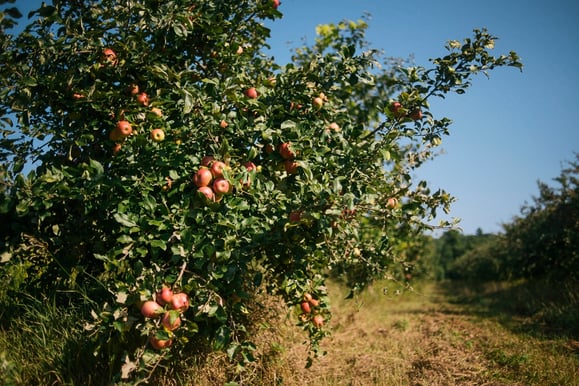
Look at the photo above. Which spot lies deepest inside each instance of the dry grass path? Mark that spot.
(421, 338)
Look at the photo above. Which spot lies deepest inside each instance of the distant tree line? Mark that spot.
(540, 243)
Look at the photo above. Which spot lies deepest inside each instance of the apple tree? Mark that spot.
(158, 161)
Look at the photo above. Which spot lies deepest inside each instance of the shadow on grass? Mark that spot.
(537, 308)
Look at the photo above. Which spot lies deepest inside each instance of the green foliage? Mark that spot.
(543, 242)
(454, 255)
(120, 215)
(482, 263)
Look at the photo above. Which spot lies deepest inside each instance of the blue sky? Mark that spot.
(509, 131)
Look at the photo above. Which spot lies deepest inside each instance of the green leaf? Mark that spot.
(124, 220)
(13, 12)
(187, 102)
(149, 204)
(22, 208)
(29, 81)
(222, 338)
(96, 166)
(287, 125)
(158, 244)
(124, 239)
(232, 350)
(101, 257)
(47, 11)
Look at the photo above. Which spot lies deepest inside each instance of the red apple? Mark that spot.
(207, 160)
(171, 320)
(308, 297)
(159, 344)
(318, 321)
(269, 148)
(180, 301)
(109, 56)
(151, 309)
(223, 124)
(270, 82)
(133, 89)
(318, 102)
(157, 135)
(395, 108)
(415, 114)
(109, 52)
(249, 166)
(314, 302)
(217, 168)
(157, 111)
(164, 296)
(291, 167)
(207, 192)
(285, 150)
(203, 177)
(143, 99)
(116, 148)
(295, 106)
(305, 306)
(115, 135)
(251, 93)
(221, 186)
(124, 128)
(275, 4)
(334, 126)
(392, 203)
(295, 216)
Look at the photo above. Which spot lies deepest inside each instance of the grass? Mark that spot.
(41, 343)
(423, 337)
(435, 335)
(531, 307)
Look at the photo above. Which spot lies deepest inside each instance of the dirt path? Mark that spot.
(423, 339)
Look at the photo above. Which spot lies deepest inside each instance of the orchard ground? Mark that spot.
(434, 334)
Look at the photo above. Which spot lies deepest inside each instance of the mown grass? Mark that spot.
(534, 307)
(432, 335)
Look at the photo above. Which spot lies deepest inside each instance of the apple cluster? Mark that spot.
(318, 101)
(210, 180)
(123, 128)
(308, 306)
(288, 154)
(285, 149)
(168, 308)
(399, 112)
